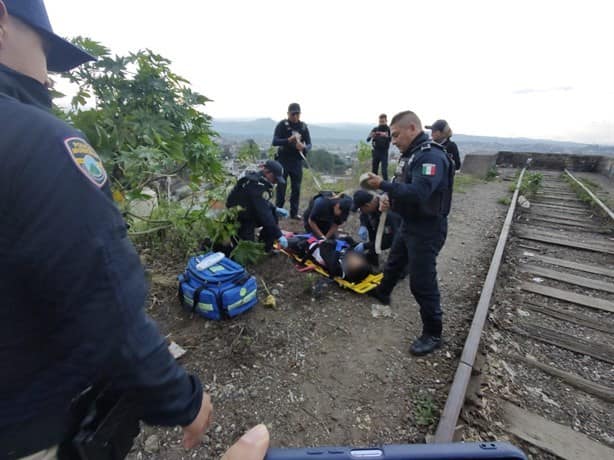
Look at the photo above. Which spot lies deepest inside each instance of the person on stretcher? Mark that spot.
(340, 257)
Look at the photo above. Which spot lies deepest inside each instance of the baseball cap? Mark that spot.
(277, 169)
(61, 54)
(294, 108)
(439, 125)
(361, 197)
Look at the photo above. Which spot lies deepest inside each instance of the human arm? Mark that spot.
(306, 140)
(427, 172)
(280, 136)
(94, 288)
(315, 229)
(452, 148)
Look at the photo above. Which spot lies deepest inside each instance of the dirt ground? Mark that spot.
(325, 371)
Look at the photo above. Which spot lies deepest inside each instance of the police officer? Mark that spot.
(294, 141)
(253, 192)
(421, 193)
(72, 286)
(442, 133)
(370, 214)
(326, 213)
(380, 141)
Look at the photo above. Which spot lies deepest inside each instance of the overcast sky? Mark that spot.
(539, 68)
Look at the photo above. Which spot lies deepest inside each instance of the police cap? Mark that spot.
(439, 125)
(294, 108)
(361, 197)
(61, 54)
(277, 169)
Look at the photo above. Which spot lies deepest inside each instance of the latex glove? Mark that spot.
(360, 248)
(283, 242)
(363, 233)
(281, 212)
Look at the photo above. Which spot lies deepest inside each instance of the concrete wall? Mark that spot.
(554, 161)
(478, 165)
(606, 167)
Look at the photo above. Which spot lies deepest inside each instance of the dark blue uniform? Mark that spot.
(72, 286)
(421, 194)
(253, 192)
(290, 158)
(321, 210)
(380, 144)
(391, 228)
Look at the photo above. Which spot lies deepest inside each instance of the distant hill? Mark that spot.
(343, 137)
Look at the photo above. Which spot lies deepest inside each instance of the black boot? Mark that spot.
(384, 299)
(424, 345)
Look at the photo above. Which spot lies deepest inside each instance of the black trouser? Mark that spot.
(377, 158)
(415, 250)
(247, 230)
(296, 177)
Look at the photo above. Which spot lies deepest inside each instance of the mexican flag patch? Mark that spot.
(428, 169)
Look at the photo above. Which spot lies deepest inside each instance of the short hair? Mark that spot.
(405, 118)
(383, 115)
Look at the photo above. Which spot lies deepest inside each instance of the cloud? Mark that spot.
(543, 90)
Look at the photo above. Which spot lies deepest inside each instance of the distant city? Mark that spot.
(342, 139)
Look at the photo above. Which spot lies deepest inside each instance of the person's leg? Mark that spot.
(247, 229)
(281, 191)
(423, 285)
(296, 176)
(384, 158)
(374, 162)
(394, 269)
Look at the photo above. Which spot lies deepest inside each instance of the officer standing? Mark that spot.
(370, 214)
(442, 133)
(422, 194)
(294, 141)
(253, 192)
(380, 141)
(72, 286)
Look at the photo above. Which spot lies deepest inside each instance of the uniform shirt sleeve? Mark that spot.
(263, 209)
(280, 137)
(73, 246)
(452, 149)
(371, 134)
(423, 185)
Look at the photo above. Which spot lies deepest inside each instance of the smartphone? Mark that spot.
(453, 451)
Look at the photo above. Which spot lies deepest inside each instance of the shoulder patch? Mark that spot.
(86, 159)
(429, 169)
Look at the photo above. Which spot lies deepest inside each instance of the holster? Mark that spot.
(107, 423)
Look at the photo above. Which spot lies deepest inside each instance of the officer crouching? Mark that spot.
(252, 193)
(422, 194)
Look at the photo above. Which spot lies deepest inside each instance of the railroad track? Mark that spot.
(551, 337)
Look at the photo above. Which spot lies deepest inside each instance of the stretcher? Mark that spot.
(366, 285)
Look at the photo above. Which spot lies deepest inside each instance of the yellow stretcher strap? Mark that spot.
(366, 285)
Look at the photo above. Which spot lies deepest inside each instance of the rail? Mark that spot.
(456, 396)
(592, 195)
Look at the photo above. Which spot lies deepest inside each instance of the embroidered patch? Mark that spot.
(87, 160)
(429, 169)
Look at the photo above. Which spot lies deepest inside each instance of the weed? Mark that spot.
(424, 410)
(464, 181)
(506, 200)
(531, 183)
(492, 174)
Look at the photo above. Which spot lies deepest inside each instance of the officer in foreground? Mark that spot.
(369, 206)
(253, 192)
(422, 194)
(380, 141)
(442, 134)
(72, 286)
(294, 142)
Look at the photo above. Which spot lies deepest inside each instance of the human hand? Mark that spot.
(292, 139)
(363, 233)
(384, 203)
(281, 212)
(373, 181)
(283, 242)
(300, 146)
(193, 433)
(251, 446)
(359, 248)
